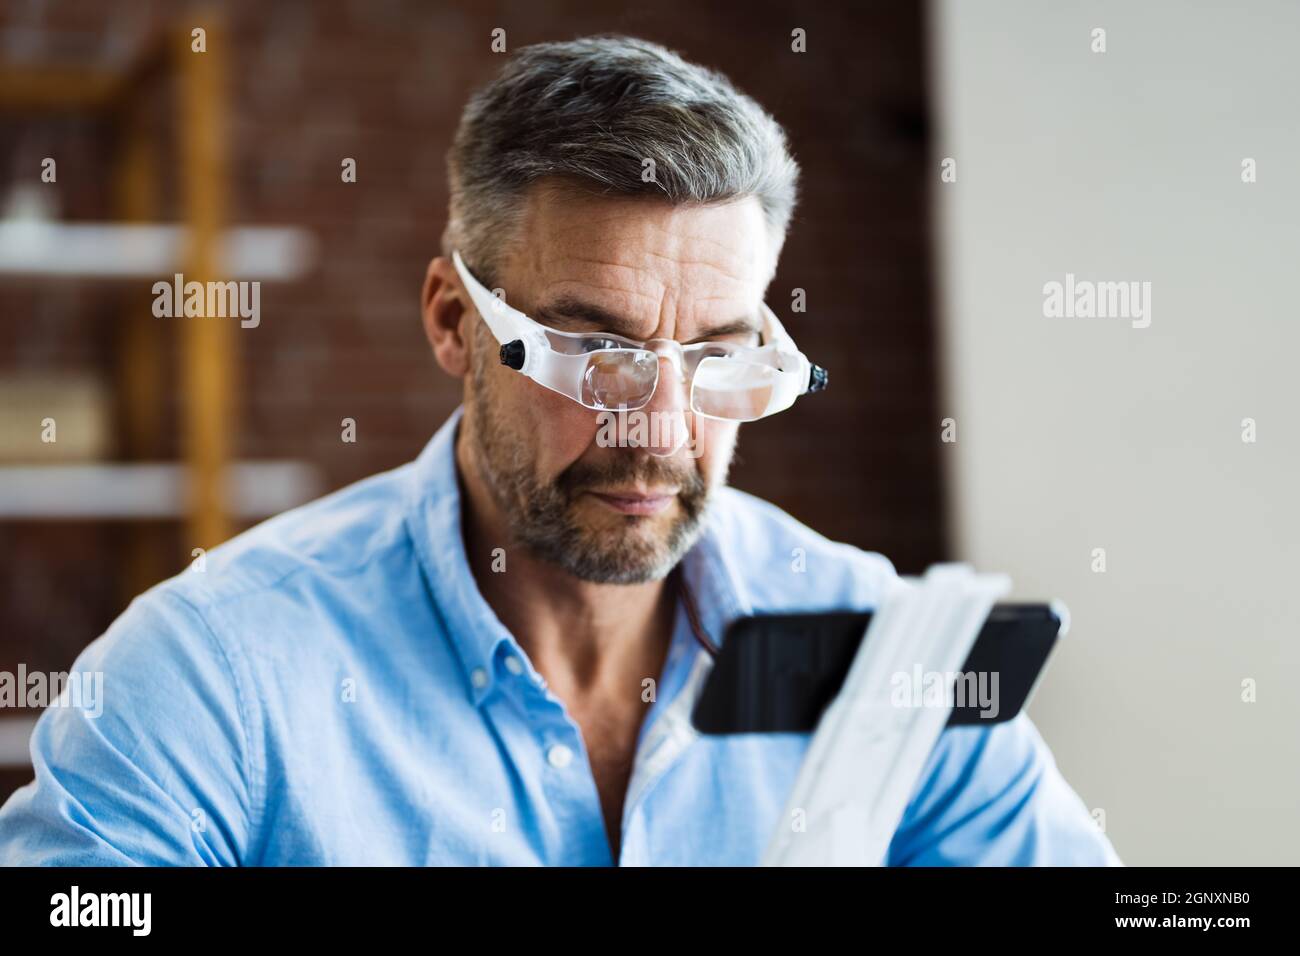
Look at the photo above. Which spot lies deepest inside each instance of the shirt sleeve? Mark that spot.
(993, 796)
(160, 775)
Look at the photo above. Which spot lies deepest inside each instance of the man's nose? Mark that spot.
(666, 428)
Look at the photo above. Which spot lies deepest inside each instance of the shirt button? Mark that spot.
(514, 665)
(478, 678)
(559, 756)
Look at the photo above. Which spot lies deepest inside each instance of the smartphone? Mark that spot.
(778, 673)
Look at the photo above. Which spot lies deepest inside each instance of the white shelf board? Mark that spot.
(254, 489)
(147, 250)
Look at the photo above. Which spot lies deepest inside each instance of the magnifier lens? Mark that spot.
(619, 379)
(733, 388)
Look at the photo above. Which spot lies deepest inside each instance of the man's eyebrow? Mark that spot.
(567, 314)
(734, 327)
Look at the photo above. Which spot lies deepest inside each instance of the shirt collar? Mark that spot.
(433, 511)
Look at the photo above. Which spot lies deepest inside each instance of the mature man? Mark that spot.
(489, 655)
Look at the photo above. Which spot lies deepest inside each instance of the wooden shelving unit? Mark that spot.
(207, 490)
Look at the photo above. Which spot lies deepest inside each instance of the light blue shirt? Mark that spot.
(332, 688)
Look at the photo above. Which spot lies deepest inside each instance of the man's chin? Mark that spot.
(618, 548)
(610, 530)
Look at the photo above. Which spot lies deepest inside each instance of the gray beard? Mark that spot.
(541, 516)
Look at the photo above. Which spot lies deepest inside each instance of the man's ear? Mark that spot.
(447, 313)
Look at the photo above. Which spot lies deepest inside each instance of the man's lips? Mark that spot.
(635, 503)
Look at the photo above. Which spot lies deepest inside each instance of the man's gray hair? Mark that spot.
(592, 111)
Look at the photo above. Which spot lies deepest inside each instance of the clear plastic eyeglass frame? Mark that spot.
(606, 372)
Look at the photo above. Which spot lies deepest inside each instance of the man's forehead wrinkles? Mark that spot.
(571, 311)
(679, 264)
(655, 293)
(645, 276)
(601, 262)
(609, 298)
(731, 261)
(627, 281)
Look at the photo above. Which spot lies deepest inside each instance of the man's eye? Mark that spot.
(712, 349)
(595, 344)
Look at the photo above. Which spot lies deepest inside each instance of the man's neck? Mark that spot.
(588, 638)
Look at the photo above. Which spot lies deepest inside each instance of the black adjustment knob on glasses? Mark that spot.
(512, 354)
(818, 379)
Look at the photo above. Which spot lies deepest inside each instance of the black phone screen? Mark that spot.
(778, 673)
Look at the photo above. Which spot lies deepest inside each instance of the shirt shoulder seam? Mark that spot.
(253, 782)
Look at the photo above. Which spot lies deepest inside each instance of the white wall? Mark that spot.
(1075, 434)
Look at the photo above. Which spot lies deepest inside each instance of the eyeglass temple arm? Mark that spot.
(510, 327)
(816, 378)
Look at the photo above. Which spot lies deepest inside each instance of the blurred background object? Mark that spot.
(251, 134)
(1168, 706)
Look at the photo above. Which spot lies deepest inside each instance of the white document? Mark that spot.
(866, 754)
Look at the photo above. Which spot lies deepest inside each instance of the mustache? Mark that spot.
(631, 468)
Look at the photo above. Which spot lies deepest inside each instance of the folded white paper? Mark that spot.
(867, 754)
